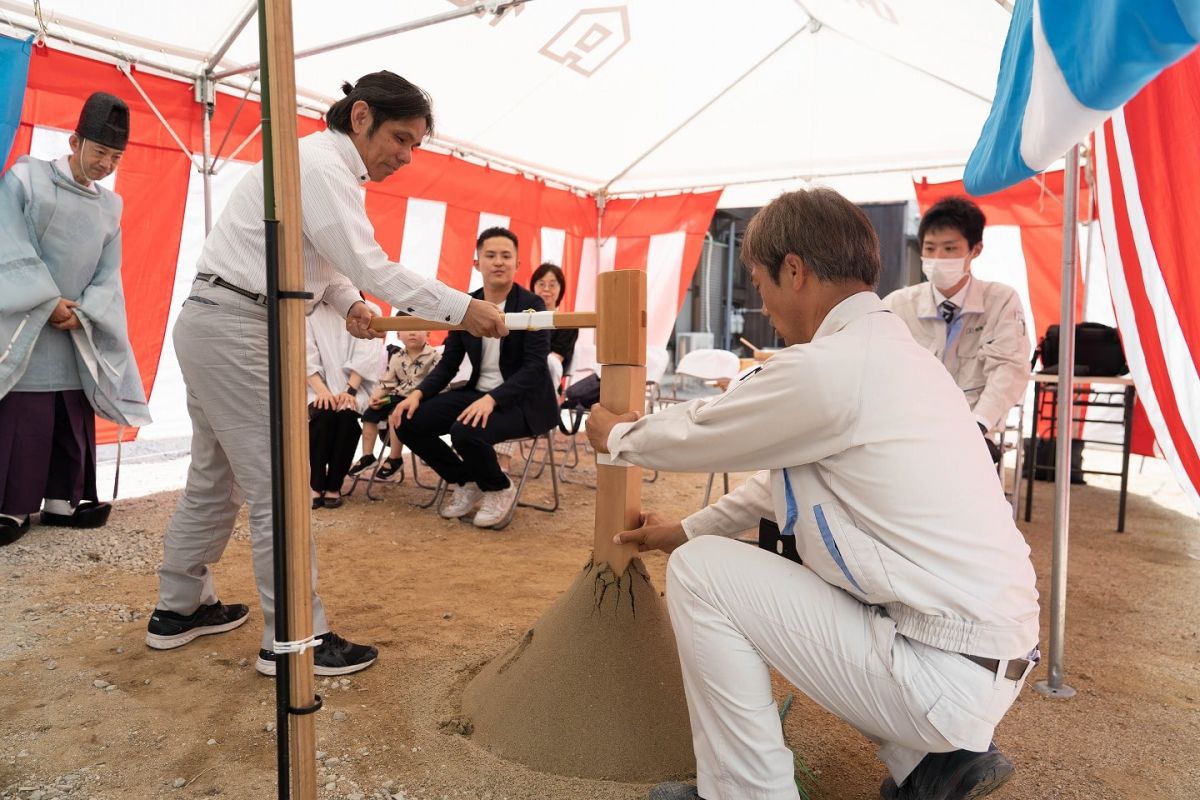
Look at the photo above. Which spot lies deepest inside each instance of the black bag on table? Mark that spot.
(579, 397)
(1098, 350)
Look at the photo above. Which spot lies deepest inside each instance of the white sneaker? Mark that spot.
(494, 507)
(462, 501)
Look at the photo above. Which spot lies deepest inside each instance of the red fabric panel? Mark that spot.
(1142, 441)
(21, 143)
(1036, 201)
(458, 247)
(1042, 247)
(571, 258)
(153, 183)
(1145, 318)
(632, 252)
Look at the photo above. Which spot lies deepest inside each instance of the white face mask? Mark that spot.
(943, 273)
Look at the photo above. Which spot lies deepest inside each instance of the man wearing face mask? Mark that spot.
(64, 349)
(975, 327)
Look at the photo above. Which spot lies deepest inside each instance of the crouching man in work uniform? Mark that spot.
(914, 615)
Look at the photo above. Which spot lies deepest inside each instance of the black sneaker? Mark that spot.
(333, 656)
(957, 775)
(168, 630)
(362, 464)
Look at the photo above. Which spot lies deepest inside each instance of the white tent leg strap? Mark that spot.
(299, 646)
(128, 73)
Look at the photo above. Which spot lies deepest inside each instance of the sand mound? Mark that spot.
(592, 689)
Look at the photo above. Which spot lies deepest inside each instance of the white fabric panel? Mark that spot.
(1051, 101)
(421, 248)
(596, 258)
(554, 242)
(663, 265)
(50, 143)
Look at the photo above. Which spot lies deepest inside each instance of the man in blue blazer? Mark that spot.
(508, 396)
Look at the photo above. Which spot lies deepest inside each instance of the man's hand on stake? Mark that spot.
(600, 423)
(654, 532)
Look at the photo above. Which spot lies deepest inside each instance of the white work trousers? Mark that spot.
(737, 609)
(221, 342)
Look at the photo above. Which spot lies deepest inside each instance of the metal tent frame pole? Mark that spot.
(730, 265)
(466, 11)
(1054, 686)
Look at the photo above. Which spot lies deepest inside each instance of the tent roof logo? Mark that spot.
(590, 39)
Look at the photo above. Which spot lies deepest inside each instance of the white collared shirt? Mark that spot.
(872, 460)
(341, 255)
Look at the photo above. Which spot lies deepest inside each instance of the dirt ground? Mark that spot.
(88, 711)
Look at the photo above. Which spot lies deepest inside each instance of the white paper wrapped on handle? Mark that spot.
(529, 320)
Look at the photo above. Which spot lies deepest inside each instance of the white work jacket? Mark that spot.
(873, 461)
(986, 348)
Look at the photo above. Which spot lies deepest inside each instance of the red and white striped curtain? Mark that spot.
(1148, 192)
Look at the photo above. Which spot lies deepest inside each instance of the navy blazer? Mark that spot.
(522, 364)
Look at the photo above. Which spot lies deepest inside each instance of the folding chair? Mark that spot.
(1010, 439)
(713, 367)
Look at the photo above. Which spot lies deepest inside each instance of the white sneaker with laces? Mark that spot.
(462, 501)
(494, 507)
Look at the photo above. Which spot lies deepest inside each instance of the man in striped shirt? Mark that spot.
(221, 342)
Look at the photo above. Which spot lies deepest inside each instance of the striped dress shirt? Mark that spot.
(340, 252)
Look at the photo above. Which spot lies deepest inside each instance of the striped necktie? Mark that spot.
(947, 310)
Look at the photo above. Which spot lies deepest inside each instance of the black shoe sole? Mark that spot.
(11, 533)
(86, 516)
(992, 781)
(162, 642)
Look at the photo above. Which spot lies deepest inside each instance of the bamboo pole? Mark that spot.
(282, 159)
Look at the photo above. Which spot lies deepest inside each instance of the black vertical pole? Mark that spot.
(275, 382)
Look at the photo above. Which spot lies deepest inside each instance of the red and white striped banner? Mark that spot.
(428, 215)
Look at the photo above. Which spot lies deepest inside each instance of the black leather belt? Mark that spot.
(208, 277)
(1014, 672)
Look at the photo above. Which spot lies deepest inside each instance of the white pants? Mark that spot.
(737, 609)
(221, 342)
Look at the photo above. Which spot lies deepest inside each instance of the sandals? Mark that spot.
(390, 467)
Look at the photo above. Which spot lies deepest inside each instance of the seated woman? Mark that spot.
(338, 392)
(549, 284)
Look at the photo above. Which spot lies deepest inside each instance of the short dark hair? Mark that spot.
(492, 233)
(553, 269)
(389, 97)
(955, 213)
(831, 235)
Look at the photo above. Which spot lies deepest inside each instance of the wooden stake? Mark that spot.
(285, 160)
(621, 349)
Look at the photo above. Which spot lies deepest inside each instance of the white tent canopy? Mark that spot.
(631, 97)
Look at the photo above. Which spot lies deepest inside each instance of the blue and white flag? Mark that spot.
(1067, 65)
(14, 70)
